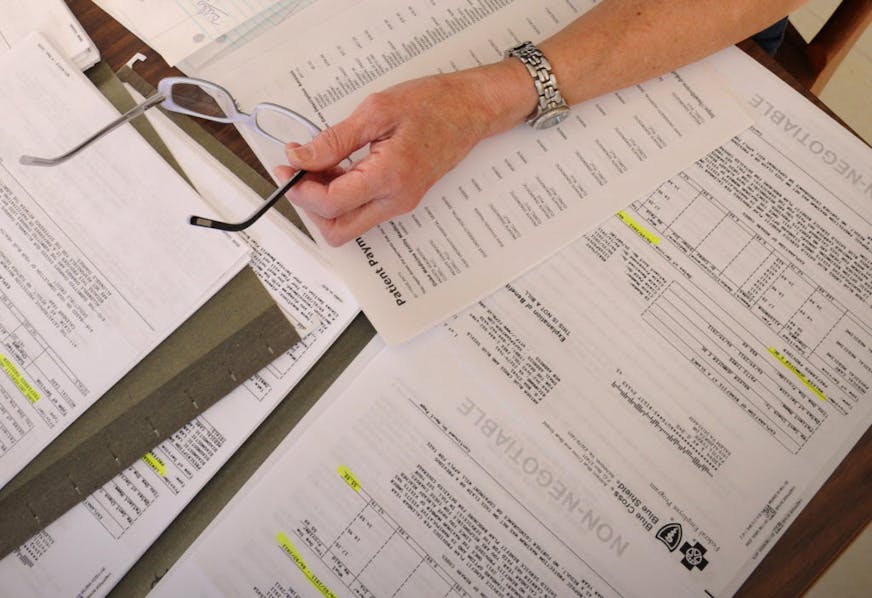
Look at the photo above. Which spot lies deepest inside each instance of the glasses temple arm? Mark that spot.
(255, 216)
(127, 116)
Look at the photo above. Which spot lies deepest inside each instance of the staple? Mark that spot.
(190, 398)
(232, 375)
(156, 433)
(114, 456)
(270, 349)
(75, 485)
(35, 516)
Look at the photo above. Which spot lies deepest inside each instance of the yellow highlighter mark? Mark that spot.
(638, 228)
(349, 478)
(295, 555)
(156, 464)
(18, 380)
(802, 378)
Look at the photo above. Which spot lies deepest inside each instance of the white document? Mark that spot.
(230, 43)
(178, 29)
(259, 44)
(643, 414)
(518, 197)
(121, 520)
(55, 21)
(97, 261)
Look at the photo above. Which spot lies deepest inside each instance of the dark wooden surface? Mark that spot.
(834, 517)
(117, 46)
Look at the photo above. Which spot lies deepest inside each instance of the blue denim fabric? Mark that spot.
(771, 37)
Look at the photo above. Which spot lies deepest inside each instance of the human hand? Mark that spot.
(416, 132)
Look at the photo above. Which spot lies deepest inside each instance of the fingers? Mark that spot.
(348, 226)
(411, 143)
(334, 192)
(339, 210)
(333, 145)
(284, 172)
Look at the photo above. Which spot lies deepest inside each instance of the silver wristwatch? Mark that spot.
(552, 108)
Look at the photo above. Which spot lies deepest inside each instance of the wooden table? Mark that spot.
(833, 518)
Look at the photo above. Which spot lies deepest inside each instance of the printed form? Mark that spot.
(120, 521)
(197, 29)
(519, 196)
(97, 262)
(643, 414)
(55, 21)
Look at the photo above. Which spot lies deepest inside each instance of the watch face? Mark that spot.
(550, 118)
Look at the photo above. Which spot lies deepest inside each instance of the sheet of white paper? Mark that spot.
(644, 414)
(97, 261)
(518, 197)
(231, 42)
(178, 29)
(55, 21)
(260, 44)
(120, 521)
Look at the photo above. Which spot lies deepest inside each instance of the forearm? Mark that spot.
(418, 130)
(622, 42)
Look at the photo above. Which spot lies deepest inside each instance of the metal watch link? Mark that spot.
(552, 108)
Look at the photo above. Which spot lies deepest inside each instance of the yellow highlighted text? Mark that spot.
(156, 464)
(18, 380)
(292, 551)
(786, 363)
(349, 478)
(638, 228)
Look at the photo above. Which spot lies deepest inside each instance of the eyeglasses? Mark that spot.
(209, 101)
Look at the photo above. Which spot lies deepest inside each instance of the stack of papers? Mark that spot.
(643, 414)
(54, 20)
(637, 405)
(97, 261)
(119, 521)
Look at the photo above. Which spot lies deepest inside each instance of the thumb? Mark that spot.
(330, 147)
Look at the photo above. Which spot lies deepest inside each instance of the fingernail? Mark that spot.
(302, 153)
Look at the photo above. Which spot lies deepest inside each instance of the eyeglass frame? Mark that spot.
(163, 98)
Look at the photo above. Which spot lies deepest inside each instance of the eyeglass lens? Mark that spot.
(274, 121)
(207, 101)
(281, 126)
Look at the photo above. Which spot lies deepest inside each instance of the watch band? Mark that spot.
(552, 108)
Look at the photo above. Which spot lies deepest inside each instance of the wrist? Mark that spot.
(551, 108)
(508, 94)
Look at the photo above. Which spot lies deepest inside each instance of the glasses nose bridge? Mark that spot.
(242, 117)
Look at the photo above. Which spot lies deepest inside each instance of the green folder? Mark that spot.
(233, 336)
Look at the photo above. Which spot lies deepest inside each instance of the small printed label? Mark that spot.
(156, 464)
(18, 379)
(638, 228)
(349, 478)
(292, 552)
(802, 378)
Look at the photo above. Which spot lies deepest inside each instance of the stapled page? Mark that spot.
(98, 261)
(158, 487)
